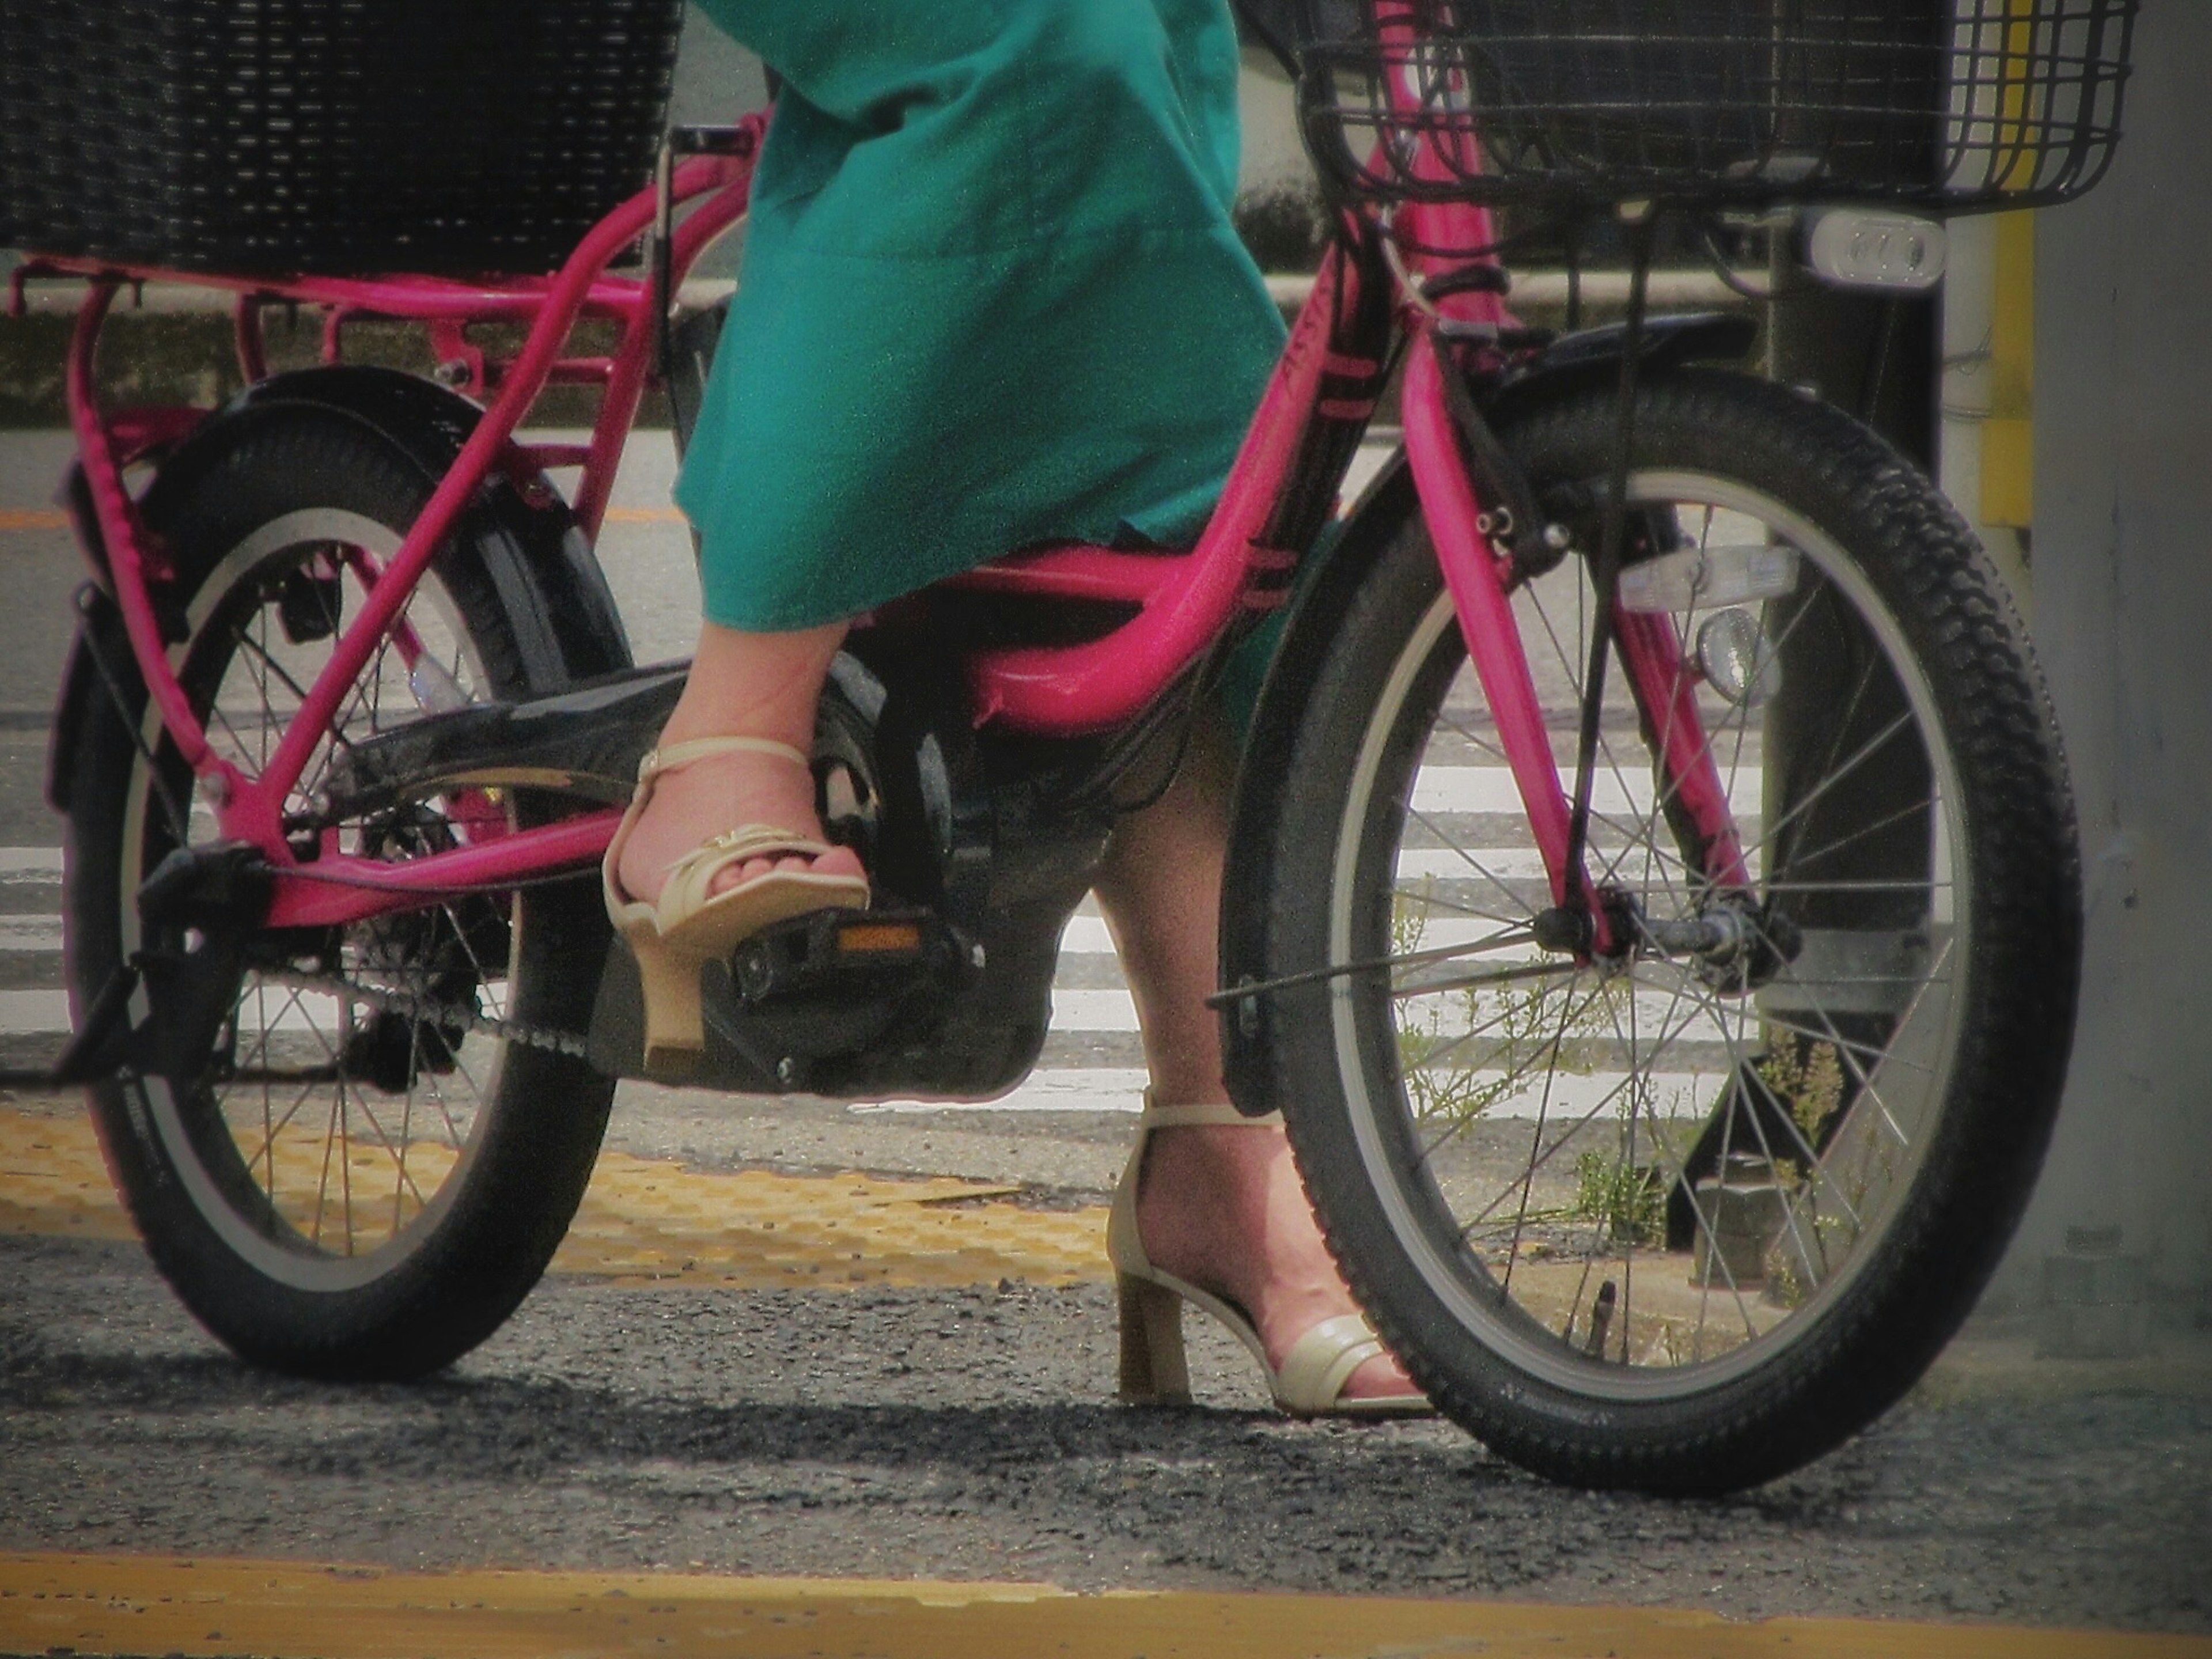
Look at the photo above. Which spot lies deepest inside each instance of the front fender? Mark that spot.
(1589, 355)
(1381, 513)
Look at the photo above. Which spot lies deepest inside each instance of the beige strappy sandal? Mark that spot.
(1154, 1369)
(691, 924)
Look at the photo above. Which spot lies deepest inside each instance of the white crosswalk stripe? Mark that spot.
(1491, 789)
(34, 1014)
(1048, 1089)
(1091, 1060)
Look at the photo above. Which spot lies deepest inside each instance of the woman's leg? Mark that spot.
(1220, 1207)
(754, 685)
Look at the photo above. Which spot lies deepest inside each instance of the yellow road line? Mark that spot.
(648, 1222)
(288, 1610)
(644, 515)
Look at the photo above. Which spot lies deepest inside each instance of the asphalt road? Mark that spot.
(972, 1432)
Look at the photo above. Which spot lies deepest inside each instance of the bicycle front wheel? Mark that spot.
(1682, 1215)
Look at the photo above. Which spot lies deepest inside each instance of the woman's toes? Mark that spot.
(752, 870)
(837, 862)
(1381, 1377)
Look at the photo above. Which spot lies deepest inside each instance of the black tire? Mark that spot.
(1518, 1172)
(335, 1191)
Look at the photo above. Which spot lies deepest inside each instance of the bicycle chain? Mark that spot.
(411, 1006)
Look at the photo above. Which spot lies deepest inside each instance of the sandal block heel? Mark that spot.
(675, 1024)
(675, 936)
(1155, 1371)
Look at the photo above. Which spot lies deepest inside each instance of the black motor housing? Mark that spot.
(983, 846)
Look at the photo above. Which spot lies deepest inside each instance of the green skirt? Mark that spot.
(990, 297)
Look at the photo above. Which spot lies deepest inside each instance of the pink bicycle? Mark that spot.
(1656, 907)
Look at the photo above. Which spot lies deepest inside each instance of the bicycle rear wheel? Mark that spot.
(1684, 1219)
(362, 1174)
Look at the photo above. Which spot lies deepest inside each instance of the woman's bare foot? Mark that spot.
(758, 685)
(1220, 1207)
(1224, 1209)
(699, 801)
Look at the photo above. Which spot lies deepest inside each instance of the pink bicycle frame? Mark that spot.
(335, 887)
(1182, 602)
(1479, 577)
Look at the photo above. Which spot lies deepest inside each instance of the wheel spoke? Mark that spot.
(1482, 872)
(1543, 1109)
(1546, 1153)
(1740, 1065)
(297, 1143)
(1439, 903)
(1814, 796)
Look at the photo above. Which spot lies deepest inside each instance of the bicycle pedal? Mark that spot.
(827, 952)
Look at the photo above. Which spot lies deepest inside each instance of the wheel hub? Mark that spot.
(1731, 944)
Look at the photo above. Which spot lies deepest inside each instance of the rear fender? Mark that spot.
(548, 578)
(98, 621)
(537, 554)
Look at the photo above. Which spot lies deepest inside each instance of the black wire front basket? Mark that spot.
(1946, 106)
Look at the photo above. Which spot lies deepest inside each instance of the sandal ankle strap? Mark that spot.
(1210, 1114)
(674, 757)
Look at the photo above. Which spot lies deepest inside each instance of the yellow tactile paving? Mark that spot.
(653, 1221)
(645, 1221)
(52, 1181)
(134, 1605)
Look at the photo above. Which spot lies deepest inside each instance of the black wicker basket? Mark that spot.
(333, 137)
(1949, 105)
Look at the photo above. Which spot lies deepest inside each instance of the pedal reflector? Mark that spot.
(871, 937)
